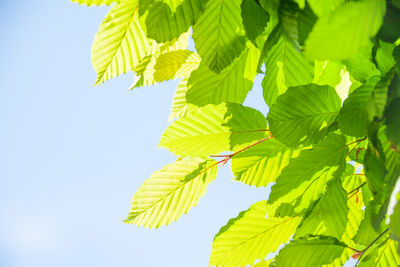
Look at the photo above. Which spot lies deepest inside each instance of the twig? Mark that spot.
(362, 252)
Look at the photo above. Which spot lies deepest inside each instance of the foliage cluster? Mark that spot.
(330, 142)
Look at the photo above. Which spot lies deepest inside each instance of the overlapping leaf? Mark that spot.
(175, 64)
(305, 178)
(303, 114)
(285, 67)
(344, 31)
(230, 85)
(171, 192)
(354, 115)
(251, 236)
(329, 216)
(310, 251)
(385, 255)
(263, 163)
(219, 34)
(120, 43)
(213, 129)
(165, 20)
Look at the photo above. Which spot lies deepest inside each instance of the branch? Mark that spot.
(229, 156)
(357, 143)
(360, 254)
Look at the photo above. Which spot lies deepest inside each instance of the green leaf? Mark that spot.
(393, 122)
(213, 129)
(285, 67)
(175, 64)
(254, 19)
(164, 23)
(344, 31)
(179, 104)
(395, 220)
(263, 263)
(305, 178)
(230, 85)
(360, 64)
(385, 255)
(251, 236)
(384, 58)
(310, 252)
(354, 115)
(146, 69)
(390, 30)
(303, 114)
(323, 8)
(96, 2)
(329, 216)
(263, 163)
(120, 42)
(219, 35)
(366, 232)
(305, 22)
(171, 192)
(327, 73)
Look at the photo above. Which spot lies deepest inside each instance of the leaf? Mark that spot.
(179, 105)
(219, 35)
(360, 64)
(230, 85)
(303, 114)
(164, 23)
(254, 19)
(390, 31)
(310, 251)
(96, 2)
(395, 220)
(120, 43)
(208, 130)
(251, 236)
(329, 216)
(175, 64)
(366, 232)
(323, 8)
(384, 58)
(263, 163)
(285, 67)
(305, 22)
(263, 263)
(345, 30)
(393, 122)
(327, 72)
(354, 115)
(171, 192)
(385, 255)
(146, 69)
(304, 179)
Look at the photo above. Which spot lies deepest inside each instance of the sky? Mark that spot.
(72, 155)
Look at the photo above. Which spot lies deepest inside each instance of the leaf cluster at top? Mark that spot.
(329, 143)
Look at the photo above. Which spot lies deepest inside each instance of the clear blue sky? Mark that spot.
(72, 155)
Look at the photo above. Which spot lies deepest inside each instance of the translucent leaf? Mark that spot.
(345, 30)
(385, 255)
(303, 114)
(285, 67)
(384, 58)
(251, 236)
(175, 64)
(305, 178)
(230, 85)
(146, 69)
(263, 263)
(329, 216)
(213, 129)
(323, 8)
(96, 2)
(171, 192)
(354, 115)
(310, 251)
(120, 43)
(219, 35)
(263, 163)
(327, 72)
(164, 23)
(360, 64)
(179, 105)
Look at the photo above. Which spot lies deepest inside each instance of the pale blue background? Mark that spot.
(72, 155)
